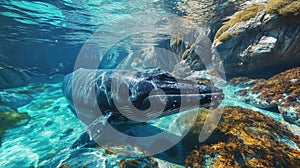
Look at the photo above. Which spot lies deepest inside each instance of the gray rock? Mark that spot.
(151, 58)
(209, 12)
(194, 49)
(264, 46)
(290, 114)
(14, 100)
(12, 77)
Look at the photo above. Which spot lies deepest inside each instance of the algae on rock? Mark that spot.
(260, 43)
(11, 119)
(281, 91)
(284, 7)
(245, 138)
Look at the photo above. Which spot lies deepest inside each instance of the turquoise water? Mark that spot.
(52, 128)
(50, 34)
(46, 138)
(47, 36)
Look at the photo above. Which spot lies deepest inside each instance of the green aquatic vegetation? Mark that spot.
(40, 105)
(188, 51)
(237, 32)
(2, 132)
(284, 7)
(10, 119)
(239, 17)
(34, 89)
(225, 36)
(44, 105)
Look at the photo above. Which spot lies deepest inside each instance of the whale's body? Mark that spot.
(134, 96)
(98, 97)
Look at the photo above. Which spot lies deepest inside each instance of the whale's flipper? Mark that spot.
(83, 140)
(92, 132)
(72, 110)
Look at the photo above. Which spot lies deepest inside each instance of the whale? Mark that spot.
(128, 95)
(125, 96)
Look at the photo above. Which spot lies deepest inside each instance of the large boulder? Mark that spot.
(243, 138)
(260, 40)
(201, 21)
(281, 91)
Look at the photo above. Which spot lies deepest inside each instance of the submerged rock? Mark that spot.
(261, 40)
(193, 47)
(281, 91)
(208, 12)
(14, 100)
(244, 81)
(244, 138)
(10, 119)
(12, 77)
(4, 108)
(100, 157)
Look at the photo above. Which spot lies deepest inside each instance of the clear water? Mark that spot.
(46, 139)
(52, 128)
(49, 35)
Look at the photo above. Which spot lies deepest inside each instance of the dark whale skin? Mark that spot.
(128, 95)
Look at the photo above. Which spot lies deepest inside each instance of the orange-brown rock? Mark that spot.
(244, 81)
(134, 163)
(282, 90)
(245, 138)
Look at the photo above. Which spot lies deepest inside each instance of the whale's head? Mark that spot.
(136, 96)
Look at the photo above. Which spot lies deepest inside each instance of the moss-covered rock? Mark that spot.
(281, 90)
(284, 7)
(193, 48)
(11, 119)
(237, 18)
(244, 81)
(210, 13)
(259, 41)
(148, 162)
(245, 138)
